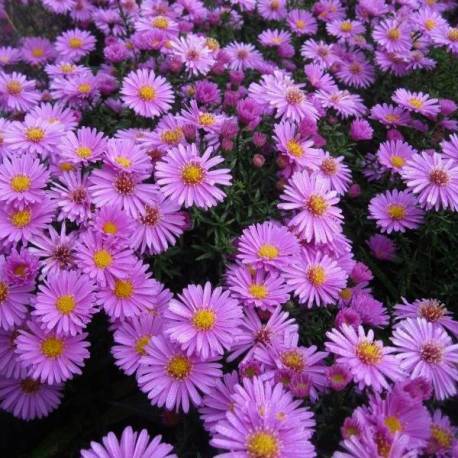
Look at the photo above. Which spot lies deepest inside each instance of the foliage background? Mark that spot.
(103, 399)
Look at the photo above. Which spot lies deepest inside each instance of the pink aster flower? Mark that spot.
(390, 115)
(65, 303)
(417, 102)
(317, 218)
(252, 427)
(64, 68)
(75, 44)
(146, 93)
(186, 176)
(260, 289)
(274, 38)
(112, 223)
(447, 36)
(158, 225)
(131, 444)
(203, 320)
(345, 29)
(356, 71)
(301, 22)
(131, 338)
(84, 146)
(393, 35)
(9, 56)
(48, 357)
(193, 51)
(434, 179)
(56, 113)
(338, 376)
(371, 311)
(25, 223)
(125, 155)
(342, 101)
(394, 154)
(450, 147)
(272, 9)
(27, 398)
(59, 6)
(316, 279)
(122, 189)
(268, 245)
(78, 90)
(128, 294)
(101, 259)
(17, 92)
(22, 180)
(382, 247)
(431, 310)
(21, 267)
(426, 350)
(37, 50)
(370, 363)
(333, 171)
(319, 52)
(395, 211)
(442, 440)
(172, 379)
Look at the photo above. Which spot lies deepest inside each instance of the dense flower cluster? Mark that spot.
(83, 211)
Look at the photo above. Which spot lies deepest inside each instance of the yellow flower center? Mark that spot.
(35, 134)
(65, 304)
(293, 360)
(294, 148)
(394, 34)
(30, 386)
(443, 437)
(317, 205)
(75, 43)
(396, 211)
(337, 378)
(84, 88)
(262, 445)
(38, 52)
(83, 152)
(206, 119)
(110, 228)
(66, 166)
(67, 68)
(21, 218)
(204, 319)
(160, 22)
(452, 34)
(316, 275)
(123, 161)
(20, 183)
(141, 343)
(393, 424)
(192, 174)
(212, 44)
(267, 251)
(147, 93)
(52, 347)
(172, 136)
(14, 87)
(300, 24)
(179, 367)
(391, 117)
(258, 291)
(368, 352)
(20, 270)
(123, 289)
(346, 26)
(430, 24)
(3, 291)
(346, 294)
(415, 102)
(102, 259)
(397, 161)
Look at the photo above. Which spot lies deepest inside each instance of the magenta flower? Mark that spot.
(268, 245)
(334, 172)
(27, 398)
(17, 92)
(37, 50)
(77, 90)
(125, 156)
(317, 218)
(417, 102)
(390, 115)
(434, 179)
(65, 303)
(242, 56)
(74, 44)
(395, 211)
(112, 224)
(131, 338)
(382, 247)
(84, 146)
(172, 379)
(48, 357)
(442, 440)
(315, 278)
(203, 320)
(193, 51)
(186, 176)
(395, 154)
(302, 22)
(147, 94)
(426, 350)
(9, 365)
(338, 376)
(343, 102)
(131, 444)
(393, 35)
(371, 311)
(370, 363)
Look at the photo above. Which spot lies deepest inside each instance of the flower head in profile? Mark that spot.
(203, 320)
(417, 102)
(172, 379)
(186, 176)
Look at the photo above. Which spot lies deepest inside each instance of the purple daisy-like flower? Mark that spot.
(203, 320)
(126, 156)
(431, 310)
(59, 6)
(370, 363)
(315, 278)
(131, 338)
(27, 398)
(37, 50)
(390, 115)
(186, 176)
(393, 35)
(146, 93)
(382, 247)
(371, 311)
(338, 376)
(257, 288)
(426, 350)
(131, 444)
(193, 51)
(65, 303)
(395, 154)
(243, 56)
(317, 218)
(157, 225)
(395, 211)
(77, 90)
(113, 224)
(335, 172)
(302, 22)
(434, 179)
(84, 146)
(75, 44)
(442, 441)
(22, 180)
(172, 379)
(17, 92)
(342, 101)
(128, 294)
(450, 147)
(259, 433)
(268, 245)
(417, 102)
(50, 358)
